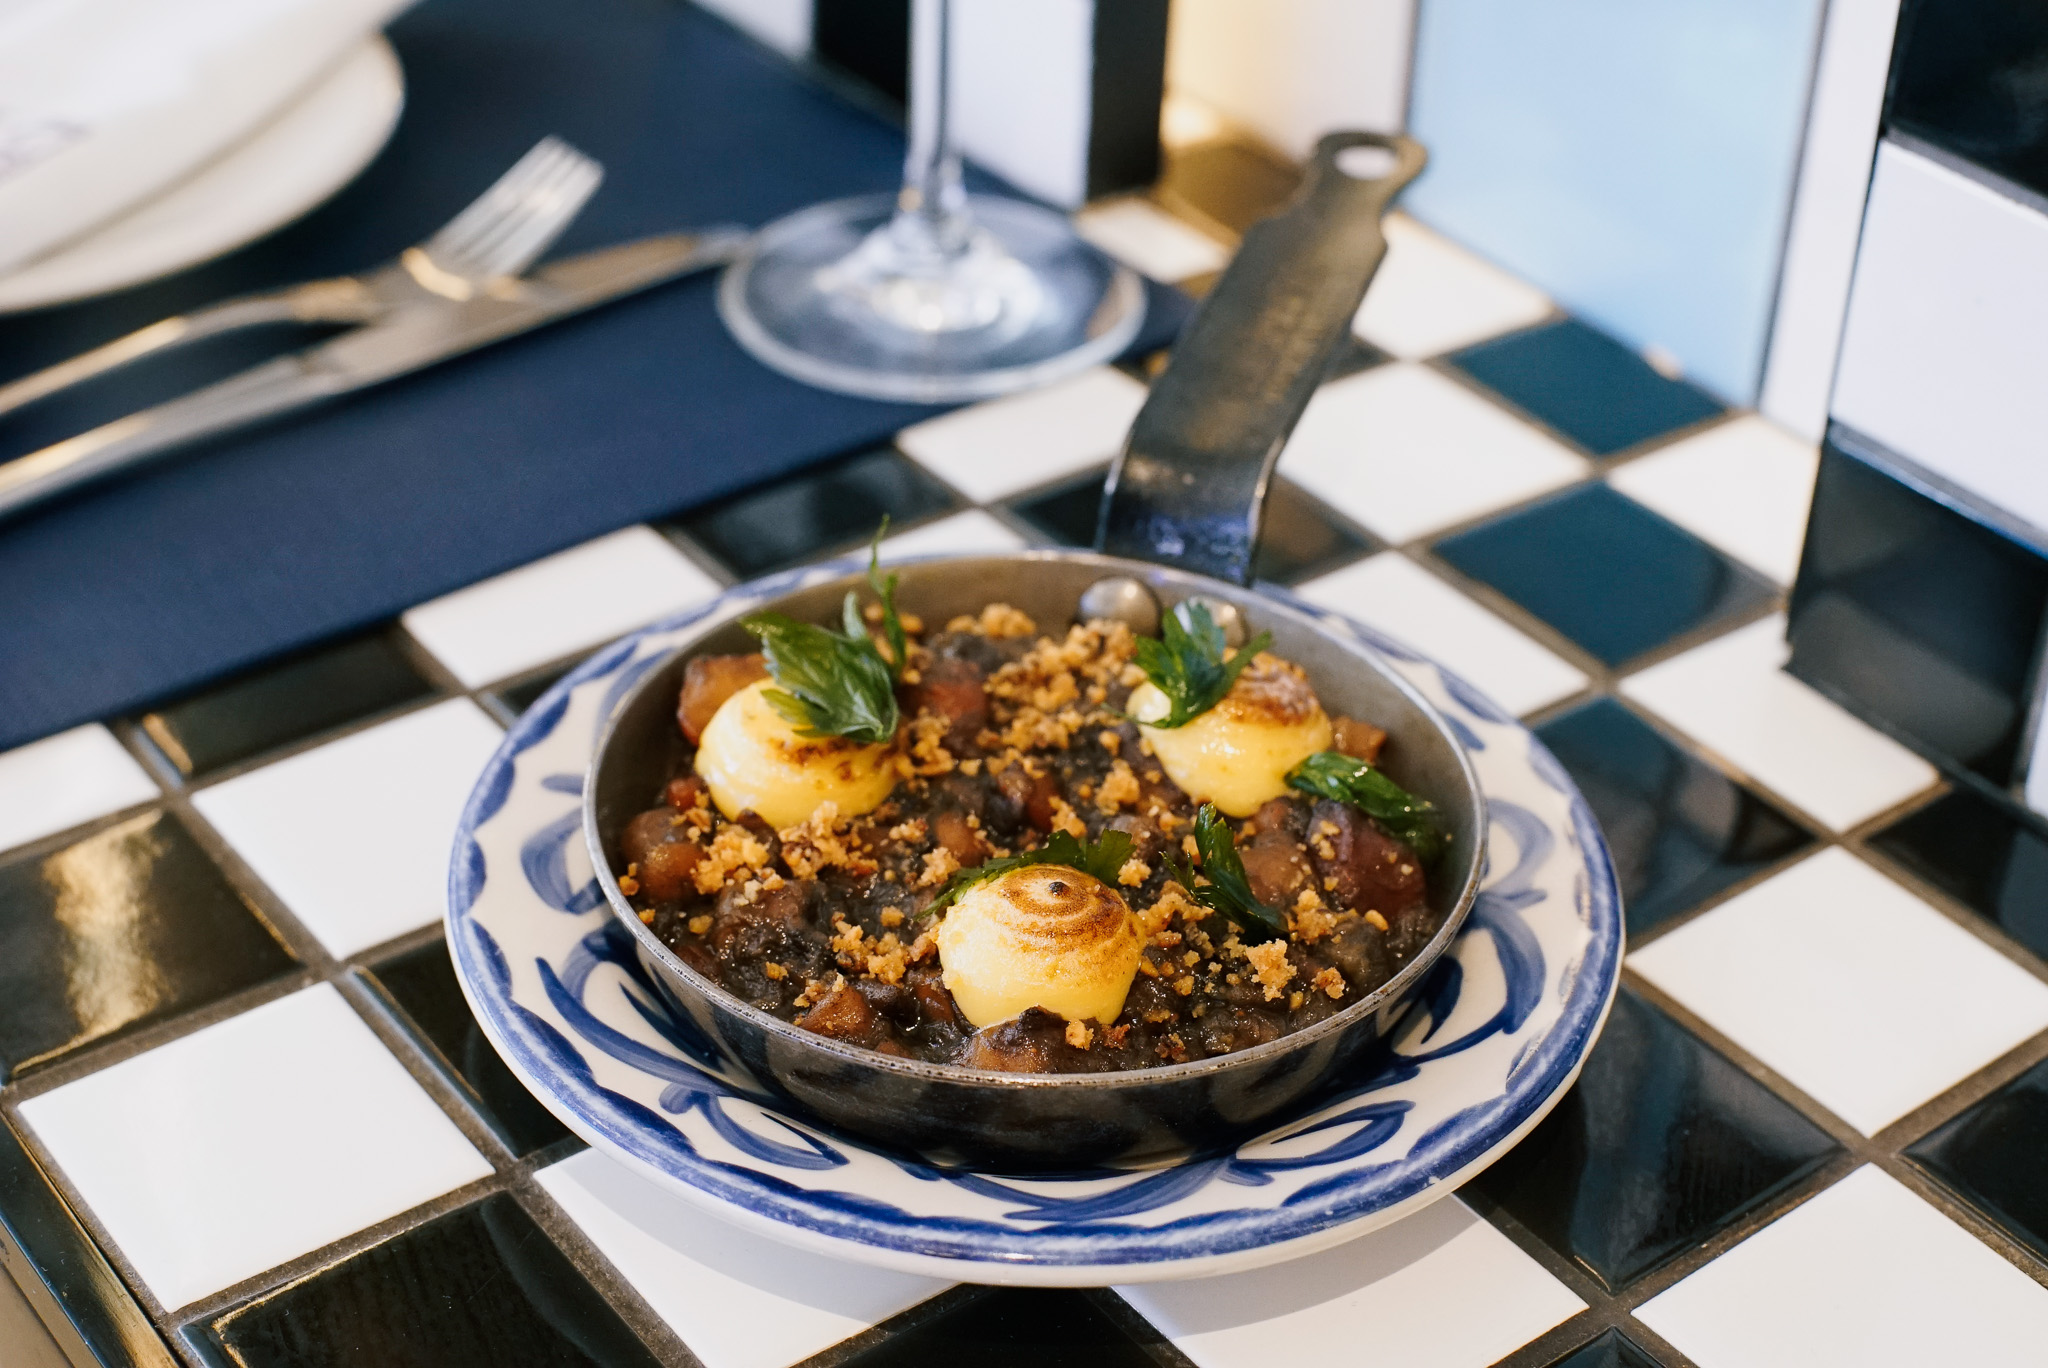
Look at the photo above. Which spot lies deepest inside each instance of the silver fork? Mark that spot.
(501, 233)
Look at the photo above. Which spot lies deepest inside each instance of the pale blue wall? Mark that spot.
(1633, 157)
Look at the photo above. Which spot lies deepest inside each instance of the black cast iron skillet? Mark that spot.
(1181, 516)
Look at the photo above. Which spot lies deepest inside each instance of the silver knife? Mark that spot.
(413, 337)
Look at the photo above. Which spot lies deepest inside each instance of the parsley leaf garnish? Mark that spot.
(1347, 779)
(1100, 860)
(1228, 891)
(834, 684)
(1186, 663)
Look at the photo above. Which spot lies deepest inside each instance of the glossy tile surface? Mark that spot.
(1432, 296)
(1606, 572)
(564, 603)
(994, 449)
(1991, 1156)
(1394, 594)
(1968, 81)
(1403, 452)
(1611, 1350)
(480, 1286)
(1585, 385)
(1733, 696)
(1661, 1144)
(284, 702)
(737, 1299)
(423, 984)
(354, 835)
(1679, 830)
(822, 510)
(63, 780)
(1866, 1275)
(1300, 538)
(1816, 970)
(975, 532)
(1012, 1327)
(1743, 486)
(1440, 1287)
(1981, 853)
(267, 1135)
(1147, 238)
(1918, 617)
(130, 925)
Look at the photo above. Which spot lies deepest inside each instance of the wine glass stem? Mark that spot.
(931, 211)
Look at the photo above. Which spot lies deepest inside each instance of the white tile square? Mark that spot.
(559, 604)
(1850, 986)
(1734, 696)
(1744, 486)
(990, 450)
(1432, 296)
(739, 1300)
(1394, 594)
(1440, 1289)
(971, 533)
(1146, 238)
(1405, 452)
(1865, 1275)
(66, 779)
(354, 835)
(251, 1142)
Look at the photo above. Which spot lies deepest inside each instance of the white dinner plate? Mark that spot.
(1497, 1033)
(314, 147)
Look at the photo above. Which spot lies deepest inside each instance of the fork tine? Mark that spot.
(513, 222)
(503, 196)
(486, 205)
(522, 238)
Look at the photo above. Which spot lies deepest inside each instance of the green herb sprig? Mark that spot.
(1100, 860)
(1185, 662)
(1347, 779)
(834, 684)
(1228, 891)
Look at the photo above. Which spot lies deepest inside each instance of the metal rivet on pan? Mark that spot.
(1224, 615)
(1121, 598)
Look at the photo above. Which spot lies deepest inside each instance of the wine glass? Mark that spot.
(931, 295)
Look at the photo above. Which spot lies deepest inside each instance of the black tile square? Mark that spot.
(1966, 76)
(1992, 1155)
(1917, 615)
(1606, 571)
(1610, 1350)
(1012, 1327)
(482, 1286)
(1585, 385)
(1300, 539)
(1679, 829)
(822, 510)
(131, 925)
(1983, 854)
(422, 983)
(1659, 1145)
(283, 701)
(1353, 354)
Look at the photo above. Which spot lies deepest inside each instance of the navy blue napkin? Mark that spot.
(325, 522)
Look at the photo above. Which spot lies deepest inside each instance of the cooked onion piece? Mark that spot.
(1237, 754)
(752, 758)
(1044, 936)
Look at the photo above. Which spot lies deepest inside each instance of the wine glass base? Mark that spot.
(823, 296)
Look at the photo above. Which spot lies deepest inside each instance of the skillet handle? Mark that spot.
(1190, 483)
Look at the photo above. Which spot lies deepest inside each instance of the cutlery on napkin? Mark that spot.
(105, 103)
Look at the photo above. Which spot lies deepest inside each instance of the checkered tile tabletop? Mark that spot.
(252, 1120)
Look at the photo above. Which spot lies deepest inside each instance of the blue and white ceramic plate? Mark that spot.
(1497, 1033)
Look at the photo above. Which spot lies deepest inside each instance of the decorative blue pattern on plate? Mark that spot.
(1497, 1032)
